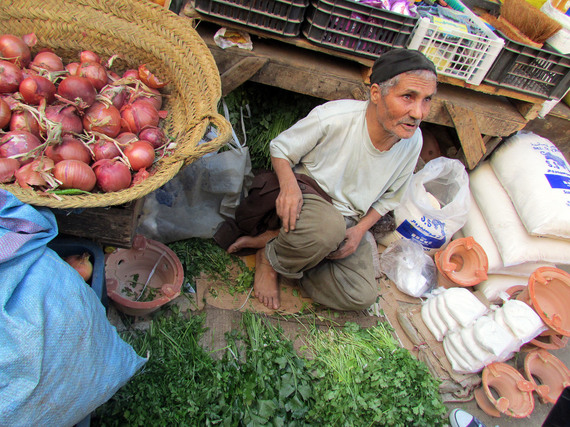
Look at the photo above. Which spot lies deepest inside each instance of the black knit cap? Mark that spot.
(398, 61)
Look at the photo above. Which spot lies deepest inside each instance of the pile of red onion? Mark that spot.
(76, 126)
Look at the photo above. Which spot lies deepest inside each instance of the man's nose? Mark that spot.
(417, 111)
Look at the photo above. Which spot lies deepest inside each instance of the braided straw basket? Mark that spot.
(140, 32)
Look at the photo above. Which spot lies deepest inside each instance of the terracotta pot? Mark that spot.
(462, 263)
(148, 266)
(548, 293)
(548, 340)
(553, 376)
(513, 391)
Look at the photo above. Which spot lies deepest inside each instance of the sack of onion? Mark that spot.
(102, 84)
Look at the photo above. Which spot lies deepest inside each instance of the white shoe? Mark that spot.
(460, 418)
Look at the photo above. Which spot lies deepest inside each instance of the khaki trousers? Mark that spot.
(343, 284)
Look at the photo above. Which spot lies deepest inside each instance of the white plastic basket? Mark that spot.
(457, 53)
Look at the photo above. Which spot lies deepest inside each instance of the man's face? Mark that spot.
(400, 112)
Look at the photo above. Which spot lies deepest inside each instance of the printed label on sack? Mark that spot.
(558, 181)
(429, 233)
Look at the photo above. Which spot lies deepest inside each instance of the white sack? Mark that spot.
(515, 245)
(536, 176)
(477, 228)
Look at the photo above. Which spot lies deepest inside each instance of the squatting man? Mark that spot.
(362, 154)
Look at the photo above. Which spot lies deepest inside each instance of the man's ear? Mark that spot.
(375, 93)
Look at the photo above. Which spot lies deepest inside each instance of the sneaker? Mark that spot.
(460, 418)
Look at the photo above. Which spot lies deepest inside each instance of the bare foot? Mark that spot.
(265, 283)
(256, 242)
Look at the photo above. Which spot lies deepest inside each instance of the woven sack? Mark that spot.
(140, 32)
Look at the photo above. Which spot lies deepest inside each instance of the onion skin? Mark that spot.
(132, 74)
(65, 114)
(78, 90)
(125, 138)
(5, 114)
(72, 68)
(29, 174)
(18, 142)
(34, 89)
(75, 174)
(103, 119)
(69, 148)
(10, 77)
(154, 97)
(48, 61)
(140, 154)
(138, 115)
(15, 50)
(7, 169)
(24, 120)
(81, 264)
(149, 78)
(112, 175)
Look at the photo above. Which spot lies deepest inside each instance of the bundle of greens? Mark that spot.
(365, 378)
(265, 111)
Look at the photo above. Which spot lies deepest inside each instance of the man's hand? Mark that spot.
(288, 205)
(350, 243)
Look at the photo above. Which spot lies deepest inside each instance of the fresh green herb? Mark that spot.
(365, 378)
(134, 280)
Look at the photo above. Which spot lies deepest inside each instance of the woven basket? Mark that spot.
(141, 32)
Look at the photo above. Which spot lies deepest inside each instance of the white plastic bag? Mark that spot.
(412, 270)
(434, 206)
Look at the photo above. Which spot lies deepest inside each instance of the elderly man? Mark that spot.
(361, 154)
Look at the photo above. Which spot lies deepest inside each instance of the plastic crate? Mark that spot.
(276, 16)
(526, 69)
(357, 28)
(456, 53)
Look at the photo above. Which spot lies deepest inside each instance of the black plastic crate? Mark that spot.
(276, 16)
(540, 72)
(357, 28)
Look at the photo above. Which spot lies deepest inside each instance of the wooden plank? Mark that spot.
(468, 133)
(241, 72)
(114, 226)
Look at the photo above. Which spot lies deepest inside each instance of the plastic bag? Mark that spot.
(409, 267)
(200, 197)
(60, 358)
(435, 205)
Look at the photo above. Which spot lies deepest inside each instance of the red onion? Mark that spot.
(10, 77)
(103, 119)
(18, 142)
(154, 135)
(149, 78)
(105, 149)
(15, 50)
(96, 73)
(29, 174)
(7, 169)
(140, 154)
(154, 97)
(72, 68)
(81, 264)
(132, 74)
(65, 114)
(88, 56)
(112, 175)
(117, 95)
(48, 61)
(5, 114)
(125, 138)
(139, 177)
(24, 120)
(36, 88)
(69, 148)
(75, 174)
(79, 90)
(138, 115)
